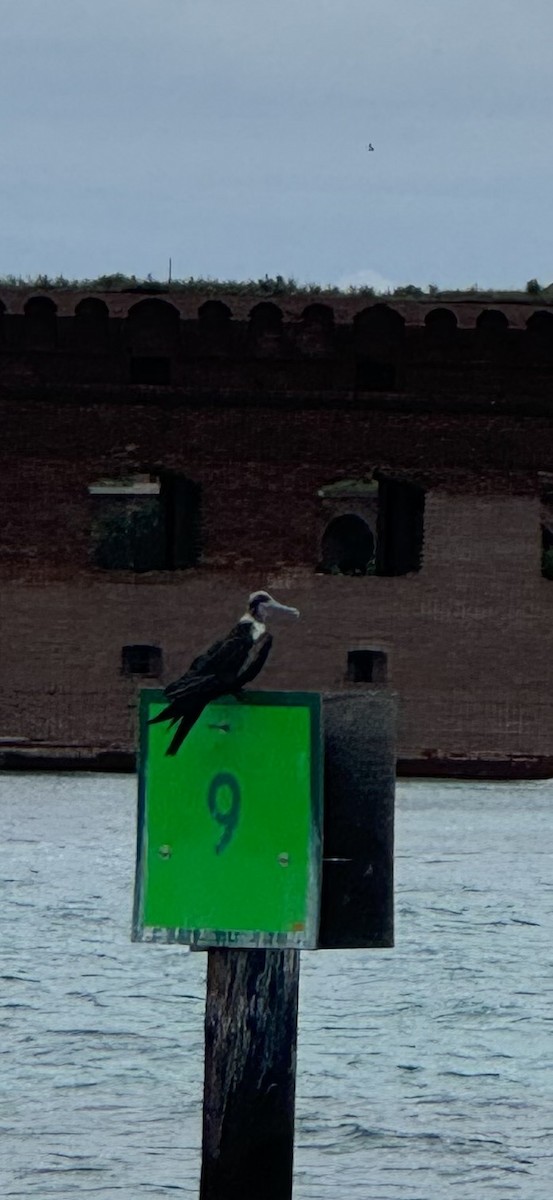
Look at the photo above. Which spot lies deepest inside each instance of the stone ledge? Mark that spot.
(117, 761)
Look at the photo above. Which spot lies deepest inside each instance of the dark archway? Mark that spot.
(266, 317)
(92, 310)
(492, 323)
(153, 330)
(441, 323)
(40, 323)
(214, 328)
(157, 316)
(321, 315)
(214, 315)
(380, 323)
(348, 546)
(540, 325)
(314, 334)
(92, 325)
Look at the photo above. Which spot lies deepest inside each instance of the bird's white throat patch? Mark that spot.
(258, 628)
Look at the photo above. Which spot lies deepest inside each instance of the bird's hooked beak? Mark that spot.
(262, 605)
(275, 606)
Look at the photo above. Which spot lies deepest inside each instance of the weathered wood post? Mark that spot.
(253, 957)
(250, 1074)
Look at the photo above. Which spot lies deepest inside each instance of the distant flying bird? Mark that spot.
(370, 147)
(223, 669)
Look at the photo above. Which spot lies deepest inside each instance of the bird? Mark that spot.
(223, 669)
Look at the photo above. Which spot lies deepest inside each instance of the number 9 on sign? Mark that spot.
(223, 801)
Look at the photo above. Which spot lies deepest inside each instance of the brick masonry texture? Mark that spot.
(263, 420)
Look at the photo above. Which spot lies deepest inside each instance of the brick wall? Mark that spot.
(468, 636)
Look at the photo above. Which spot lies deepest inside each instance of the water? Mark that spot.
(423, 1071)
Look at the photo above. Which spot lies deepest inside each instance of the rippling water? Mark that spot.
(423, 1071)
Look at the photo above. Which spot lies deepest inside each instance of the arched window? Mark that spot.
(92, 310)
(378, 335)
(540, 326)
(384, 535)
(321, 315)
(92, 324)
(155, 314)
(348, 546)
(266, 318)
(379, 323)
(441, 324)
(214, 328)
(265, 330)
(491, 323)
(314, 333)
(214, 315)
(153, 335)
(40, 323)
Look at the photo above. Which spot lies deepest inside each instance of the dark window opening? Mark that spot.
(318, 314)
(128, 531)
(152, 328)
(214, 314)
(150, 369)
(387, 541)
(266, 318)
(492, 323)
(547, 552)
(546, 524)
(181, 501)
(141, 660)
(92, 310)
(400, 532)
(371, 375)
(40, 323)
(146, 523)
(348, 547)
(92, 325)
(367, 666)
(441, 323)
(379, 322)
(540, 334)
(540, 324)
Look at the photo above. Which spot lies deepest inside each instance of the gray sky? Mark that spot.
(232, 136)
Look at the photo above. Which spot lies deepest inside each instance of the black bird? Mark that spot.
(223, 669)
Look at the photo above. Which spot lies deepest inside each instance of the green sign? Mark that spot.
(229, 829)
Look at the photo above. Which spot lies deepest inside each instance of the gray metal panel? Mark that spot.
(357, 904)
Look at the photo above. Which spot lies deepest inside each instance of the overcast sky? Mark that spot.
(232, 135)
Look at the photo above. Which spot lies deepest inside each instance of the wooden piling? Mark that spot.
(250, 1070)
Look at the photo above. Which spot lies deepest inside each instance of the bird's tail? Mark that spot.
(184, 726)
(174, 715)
(166, 714)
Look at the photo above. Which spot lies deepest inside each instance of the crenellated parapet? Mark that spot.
(295, 309)
(192, 344)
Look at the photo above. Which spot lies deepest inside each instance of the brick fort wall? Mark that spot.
(263, 414)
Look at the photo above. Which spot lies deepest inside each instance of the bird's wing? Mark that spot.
(191, 684)
(203, 662)
(219, 665)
